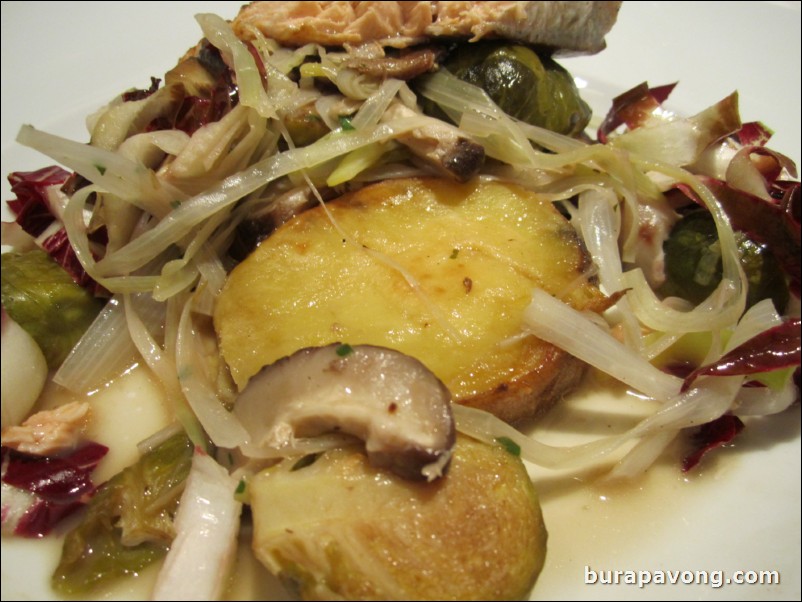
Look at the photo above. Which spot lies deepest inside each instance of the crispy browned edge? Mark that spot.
(530, 396)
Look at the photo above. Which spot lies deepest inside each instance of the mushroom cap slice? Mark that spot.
(390, 400)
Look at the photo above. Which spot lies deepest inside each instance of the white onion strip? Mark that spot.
(643, 455)
(249, 82)
(374, 107)
(599, 224)
(164, 369)
(104, 351)
(478, 115)
(559, 324)
(724, 307)
(109, 170)
(697, 406)
(223, 427)
(185, 219)
(205, 546)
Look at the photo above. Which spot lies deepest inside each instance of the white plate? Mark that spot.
(60, 61)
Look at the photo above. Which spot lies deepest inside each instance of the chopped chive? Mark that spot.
(510, 445)
(307, 460)
(101, 169)
(240, 487)
(344, 349)
(345, 123)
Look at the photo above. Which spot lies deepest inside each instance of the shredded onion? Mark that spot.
(249, 82)
(600, 229)
(207, 526)
(558, 323)
(163, 367)
(106, 348)
(109, 170)
(693, 408)
(222, 427)
(183, 219)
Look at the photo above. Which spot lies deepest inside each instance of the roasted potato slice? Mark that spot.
(340, 529)
(435, 269)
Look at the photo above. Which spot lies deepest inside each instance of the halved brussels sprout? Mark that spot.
(334, 527)
(43, 298)
(128, 523)
(693, 263)
(527, 85)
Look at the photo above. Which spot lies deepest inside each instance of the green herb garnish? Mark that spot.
(510, 445)
(307, 460)
(344, 349)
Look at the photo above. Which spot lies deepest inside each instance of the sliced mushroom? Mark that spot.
(440, 145)
(386, 398)
(406, 66)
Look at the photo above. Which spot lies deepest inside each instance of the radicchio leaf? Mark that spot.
(633, 108)
(59, 248)
(139, 94)
(31, 206)
(60, 484)
(711, 435)
(772, 349)
(193, 112)
(34, 214)
(753, 133)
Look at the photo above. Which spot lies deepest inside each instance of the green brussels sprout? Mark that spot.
(525, 84)
(129, 522)
(44, 299)
(334, 527)
(693, 263)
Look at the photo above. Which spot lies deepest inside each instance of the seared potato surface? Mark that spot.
(437, 270)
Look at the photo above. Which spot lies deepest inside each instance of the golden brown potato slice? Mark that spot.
(437, 270)
(341, 529)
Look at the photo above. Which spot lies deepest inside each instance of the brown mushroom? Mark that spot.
(406, 66)
(390, 400)
(440, 145)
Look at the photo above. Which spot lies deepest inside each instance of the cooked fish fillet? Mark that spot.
(579, 27)
(570, 27)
